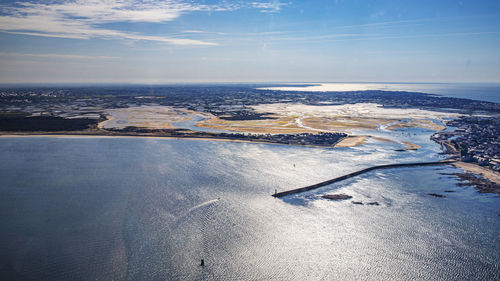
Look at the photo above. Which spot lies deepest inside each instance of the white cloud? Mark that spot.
(84, 19)
(269, 7)
(79, 19)
(203, 32)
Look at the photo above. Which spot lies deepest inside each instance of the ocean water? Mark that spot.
(476, 91)
(151, 209)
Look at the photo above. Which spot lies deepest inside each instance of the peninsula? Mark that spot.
(257, 113)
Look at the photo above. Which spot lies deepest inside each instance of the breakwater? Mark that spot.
(357, 173)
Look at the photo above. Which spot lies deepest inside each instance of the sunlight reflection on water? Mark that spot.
(145, 209)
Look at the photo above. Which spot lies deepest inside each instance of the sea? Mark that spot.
(476, 91)
(130, 208)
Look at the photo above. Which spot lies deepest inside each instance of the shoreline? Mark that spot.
(208, 138)
(479, 170)
(349, 141)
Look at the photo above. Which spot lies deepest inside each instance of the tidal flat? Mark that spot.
(144, 192)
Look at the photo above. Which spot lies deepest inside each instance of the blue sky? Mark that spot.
(130, 41)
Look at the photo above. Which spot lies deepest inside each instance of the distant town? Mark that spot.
(227, 100)
(475, 139)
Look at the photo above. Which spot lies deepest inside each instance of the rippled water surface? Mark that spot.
(151, 209)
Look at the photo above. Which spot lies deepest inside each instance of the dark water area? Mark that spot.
(151, 209)
(476, 91)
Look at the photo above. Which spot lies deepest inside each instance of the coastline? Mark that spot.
(478, 170)
(349, 141)
(355, 142)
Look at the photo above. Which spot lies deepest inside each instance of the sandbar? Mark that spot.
(351, 141)
(411, 146)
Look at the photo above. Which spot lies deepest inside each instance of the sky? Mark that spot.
(177, 41)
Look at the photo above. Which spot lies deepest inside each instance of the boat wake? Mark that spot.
(206, 203)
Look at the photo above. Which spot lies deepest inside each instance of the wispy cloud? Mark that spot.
(378, 14)
(60, 56)
(203, 32)
(436, 35)
(269, 7)
(82, 19)
(387, 23)
(304, 38)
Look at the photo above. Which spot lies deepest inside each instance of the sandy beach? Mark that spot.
(352, 141)
(478, 170)
(82, 136)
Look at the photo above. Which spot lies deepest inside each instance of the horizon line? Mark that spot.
(229, 82)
